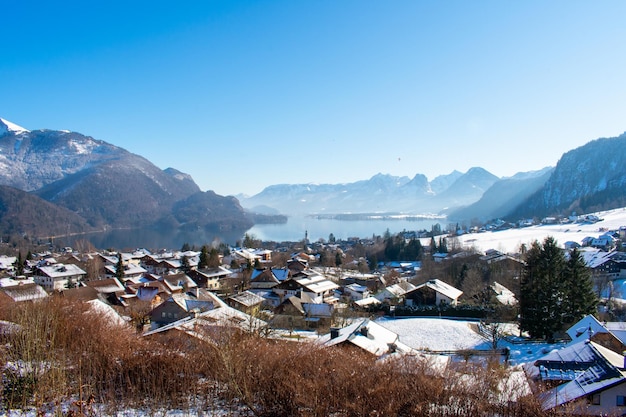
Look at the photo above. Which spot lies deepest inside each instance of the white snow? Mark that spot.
(509, 241)
(434, 334)
(12, 127)
(82, 148)
(440, 334)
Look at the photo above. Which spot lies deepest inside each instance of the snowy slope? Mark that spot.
(509, 241)
(6, 126)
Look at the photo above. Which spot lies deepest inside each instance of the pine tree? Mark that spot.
(203, 262)
(214, 258)
(582, 298)
(184, 264)
(554, 292)
(19, 265)
(119, 267)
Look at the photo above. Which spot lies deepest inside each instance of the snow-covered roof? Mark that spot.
(357, 288)
(367, 302)
(247, 298)
(584, 328)
(318, 310)
(107, 286)
(61, 270)
(26, 292)
(396, 290)
(442, 288)
(369, 336)
(316, 283)
(220, 315)
(10, 282)
(6, 262)
(504, 295)
(220, 271)
(586, 366)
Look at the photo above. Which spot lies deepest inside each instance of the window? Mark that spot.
(621, 401)
(595, 399)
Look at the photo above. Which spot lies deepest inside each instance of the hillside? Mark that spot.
(589, 178)
(101, 184)
(22, 214)
(502, 197)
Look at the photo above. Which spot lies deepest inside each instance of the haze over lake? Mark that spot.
(293, 230)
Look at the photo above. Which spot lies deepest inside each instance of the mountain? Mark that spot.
(22, 214)
(467, 188)
(103, 184)
(589, 178)
(381, 193)
(503, 196)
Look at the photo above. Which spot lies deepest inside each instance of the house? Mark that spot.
(433, 292)
(267, 278)
(58, 276)
(587, 377)
(246, 301)
(106, 286)
(366, 335)
(209, 278)
(6, 263)
(395, 291)
(318, 288)
(203, 324)
(310, 314)
(611, 265)
(366, 303)
(492, 255)
(297, 264)
(356, 292)
(132, 271)
(178, 282)
(83, 294)
(605, 242)
(179, 306)
(21, 292)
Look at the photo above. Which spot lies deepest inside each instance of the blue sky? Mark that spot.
(246, 94)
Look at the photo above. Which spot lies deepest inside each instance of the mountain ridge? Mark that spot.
(107, 186)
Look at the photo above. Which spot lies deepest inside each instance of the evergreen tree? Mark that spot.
(214, 258)
(338, 259)
(19, 264)
(119, 267)
(443, 245)
(184, 264)
(582, 297)
(554, 292)
(203, 261)
(372, 262)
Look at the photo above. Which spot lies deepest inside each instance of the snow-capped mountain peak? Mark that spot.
(6, 126)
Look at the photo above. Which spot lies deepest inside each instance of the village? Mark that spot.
(330, 294)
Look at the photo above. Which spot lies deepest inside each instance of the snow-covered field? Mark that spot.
(508, 241)
(438, 334)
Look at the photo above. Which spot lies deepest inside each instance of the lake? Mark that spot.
(293, 230)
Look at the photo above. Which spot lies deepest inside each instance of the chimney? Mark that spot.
(364, 331)
(334, 332)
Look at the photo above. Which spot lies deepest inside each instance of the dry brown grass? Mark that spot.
(84, 358)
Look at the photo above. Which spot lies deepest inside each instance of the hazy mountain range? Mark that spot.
(57, 182)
